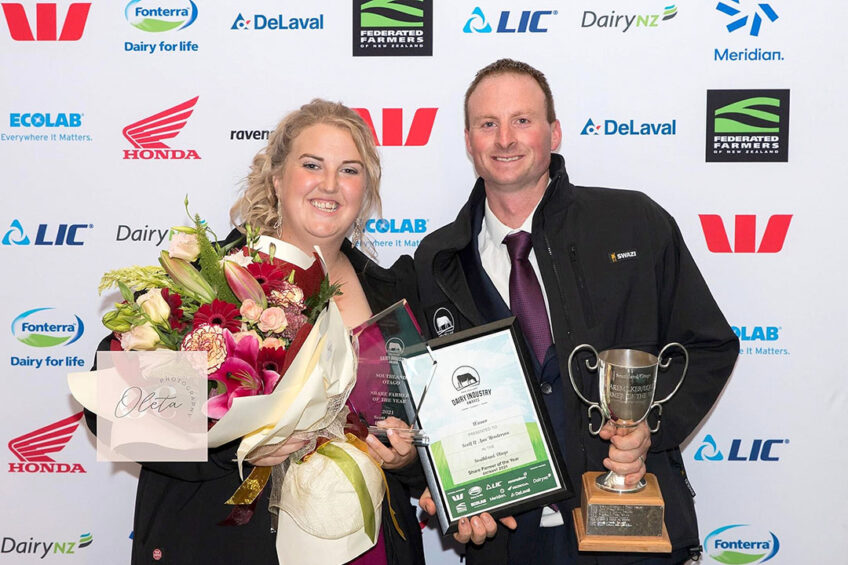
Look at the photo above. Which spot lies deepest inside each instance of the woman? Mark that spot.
(315, 182)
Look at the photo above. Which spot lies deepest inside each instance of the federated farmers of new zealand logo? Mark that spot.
(741, 544)
(392, 28)
(45, 327)
(747, 125)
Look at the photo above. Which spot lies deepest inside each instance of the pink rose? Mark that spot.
(184, 246)
(273, 320)
(250, 310)
(272, 342)
(241, 335)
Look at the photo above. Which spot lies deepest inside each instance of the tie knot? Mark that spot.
(518, 245)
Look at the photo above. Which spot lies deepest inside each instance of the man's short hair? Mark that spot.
(505, 66)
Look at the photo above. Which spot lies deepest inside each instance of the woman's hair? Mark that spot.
(258, 202)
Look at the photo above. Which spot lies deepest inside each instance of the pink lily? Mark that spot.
(243, 284)
(241, 374)
(189, 278)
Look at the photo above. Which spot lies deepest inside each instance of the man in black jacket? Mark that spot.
(614, 272)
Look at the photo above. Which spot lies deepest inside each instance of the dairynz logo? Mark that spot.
(147, 134)
(750, 16)
(45, 234)
(34, 449)
(419, 129)
(45, 327)
(759, 340)
(146, 234)
(741, 544)
(42, 548)
(46, 21)
(526, 21)
(747, 125)
(159, 16)
(278, 22)
(628, 127)
(625, 22)
(392, 28)
(45, 126)
(758, 449)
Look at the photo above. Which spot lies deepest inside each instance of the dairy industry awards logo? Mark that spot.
(35, 450)
(148, 134)
(741, 544)
(747, 126)
(392, 28)
(156, 17)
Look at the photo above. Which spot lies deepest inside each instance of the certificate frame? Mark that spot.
(509, 461)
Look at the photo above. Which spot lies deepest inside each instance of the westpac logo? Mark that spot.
(156, 17)
(396, 225)
(392, 28)
(747, 125)
(741, 450)
(745, 233)
(526, 21)
(42, 548)
(741, 544)
(40, 120)
(147, 134)
(750, 16)
(46, 21)
(625, 22)
(45, 327)
(45, 234)
(35, 449)
(278, 22)
(628, 127)
(419, 129)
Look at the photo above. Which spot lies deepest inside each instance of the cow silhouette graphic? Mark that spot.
(464, 377)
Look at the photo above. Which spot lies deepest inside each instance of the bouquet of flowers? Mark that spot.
(280, 363)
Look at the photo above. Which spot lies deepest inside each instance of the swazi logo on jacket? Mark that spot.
(745, 233)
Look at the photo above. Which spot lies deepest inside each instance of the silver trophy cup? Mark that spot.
(627, 380)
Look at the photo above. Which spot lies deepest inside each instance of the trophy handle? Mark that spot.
(592, 405)
(664, 365)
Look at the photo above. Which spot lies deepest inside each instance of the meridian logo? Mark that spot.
(65, 547)
(741, 547)
(66, 234)
(612, 127)
(745, 233)
(742, 20)
(747, 125)
(392, 27)
(761, 450)
(147, 134)
(158, 19)
(35, 448)
(611, 20)
(419, 130)
(527, 22)
(31, 328)
(45, 22)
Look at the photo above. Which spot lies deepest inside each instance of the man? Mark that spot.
(613, 272)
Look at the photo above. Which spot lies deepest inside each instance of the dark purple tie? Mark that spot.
(525, 295)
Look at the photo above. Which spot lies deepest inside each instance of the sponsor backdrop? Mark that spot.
(725, 112)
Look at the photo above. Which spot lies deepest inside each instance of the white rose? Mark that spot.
(184, 246)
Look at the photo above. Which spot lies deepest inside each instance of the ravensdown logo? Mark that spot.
(46, 22)
(745, 233)
(419, 129)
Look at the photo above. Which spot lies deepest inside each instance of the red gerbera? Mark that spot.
(271, 359)
(219, 313)
(265, 273)
(175, 301)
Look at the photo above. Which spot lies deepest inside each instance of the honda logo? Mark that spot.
(419, 130)
(45, 22)
(745, 233)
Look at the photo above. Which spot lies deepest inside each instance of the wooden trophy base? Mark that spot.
(631, 522)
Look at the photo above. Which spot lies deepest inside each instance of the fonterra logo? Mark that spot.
(148, 134)
(45, 234)
(396, 225)
(157, 17)
(43, 548)
(47, 327)
(740, 544)
(758, 449)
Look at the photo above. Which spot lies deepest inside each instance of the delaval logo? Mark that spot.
(625, 22)
(42, 548)
(419, 129)
(261, 22)
(156, 17)
(46, 234)
(49, 120)
(745, 233)
(147, 134)
(46, 21)
(628, 127)
(46, 327)
(396, 225)
(741, 544)
(526, 21)
(34, 449)
(747, 16)
(740, 450)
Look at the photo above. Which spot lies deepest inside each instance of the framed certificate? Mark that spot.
(491, 448)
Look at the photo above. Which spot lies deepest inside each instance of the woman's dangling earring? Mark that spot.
(356, 236)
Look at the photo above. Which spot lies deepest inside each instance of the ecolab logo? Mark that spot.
(46, 234)
(745, 233)
(759, 450)
(38, 120)
(419, 129)
(756, 333)
(46, 22)
(41, 327)
(34, 449)
(147, 135)
(396, 225)
(523, 22)
(741, 543)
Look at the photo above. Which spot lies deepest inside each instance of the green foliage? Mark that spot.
(210, 265)
(136, 278)
(315, 304)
